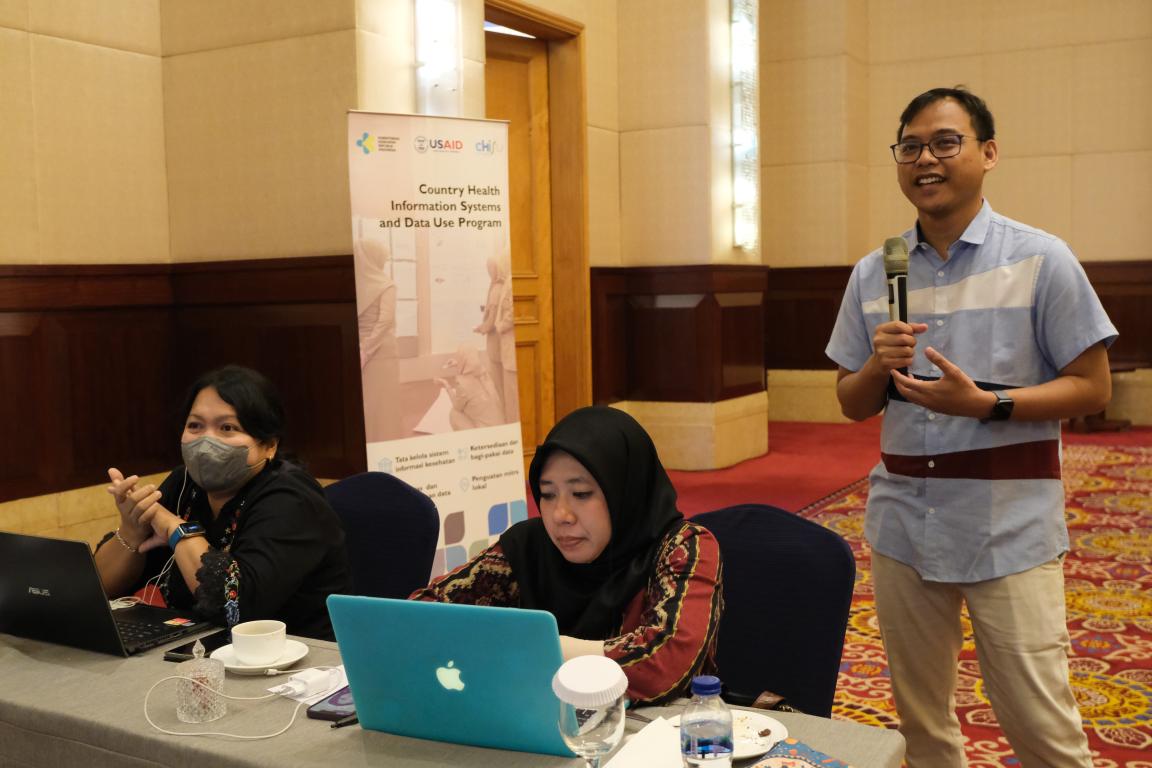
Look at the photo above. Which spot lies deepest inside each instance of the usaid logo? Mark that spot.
(424, 144)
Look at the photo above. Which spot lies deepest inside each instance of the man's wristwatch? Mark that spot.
(184, 531)
(1002, 410)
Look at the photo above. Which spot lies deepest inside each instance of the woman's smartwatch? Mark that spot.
(184, 531)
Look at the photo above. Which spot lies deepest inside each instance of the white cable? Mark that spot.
(155, 580)
(180, 496)
(172, 559)
(295, 712)
(130, 600)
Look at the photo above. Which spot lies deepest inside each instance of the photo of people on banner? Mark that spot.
(447, 378)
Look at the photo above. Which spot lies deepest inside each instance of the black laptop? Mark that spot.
(50, 590)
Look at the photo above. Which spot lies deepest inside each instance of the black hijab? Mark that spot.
(588, 600)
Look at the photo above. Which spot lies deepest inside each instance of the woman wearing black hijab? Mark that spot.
(610, 557)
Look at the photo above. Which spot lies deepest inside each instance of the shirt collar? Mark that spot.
(975, 233)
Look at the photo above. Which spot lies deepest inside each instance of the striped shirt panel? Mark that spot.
(1011, 307)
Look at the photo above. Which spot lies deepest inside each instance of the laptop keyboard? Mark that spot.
(136, 633)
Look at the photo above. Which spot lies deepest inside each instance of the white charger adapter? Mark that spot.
(309, 682)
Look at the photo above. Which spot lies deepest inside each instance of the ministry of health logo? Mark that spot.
(369, 143)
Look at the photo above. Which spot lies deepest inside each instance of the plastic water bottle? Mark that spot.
(706, 726)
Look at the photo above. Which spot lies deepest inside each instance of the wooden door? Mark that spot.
(516, 90)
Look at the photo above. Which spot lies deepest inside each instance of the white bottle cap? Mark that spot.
(589, 681)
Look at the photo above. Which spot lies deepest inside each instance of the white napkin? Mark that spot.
(656, 745)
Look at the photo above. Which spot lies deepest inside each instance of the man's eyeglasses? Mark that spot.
(909, 151)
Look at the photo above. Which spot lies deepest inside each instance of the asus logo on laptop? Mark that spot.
(40, 591)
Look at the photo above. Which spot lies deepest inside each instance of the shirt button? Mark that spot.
(931, 464)
(940, 274)
(931, 510)
(939, 323)
(931, 417)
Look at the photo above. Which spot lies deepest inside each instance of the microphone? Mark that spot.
(896, 268)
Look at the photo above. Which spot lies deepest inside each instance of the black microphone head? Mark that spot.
(895, 256)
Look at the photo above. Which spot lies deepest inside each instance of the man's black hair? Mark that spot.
(977, 110)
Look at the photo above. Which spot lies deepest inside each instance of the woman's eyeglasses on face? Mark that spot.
(948, 145)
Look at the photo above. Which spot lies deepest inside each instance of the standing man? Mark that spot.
(1005, 337)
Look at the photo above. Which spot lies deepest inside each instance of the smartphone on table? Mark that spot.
(336, 706)
(211, 642)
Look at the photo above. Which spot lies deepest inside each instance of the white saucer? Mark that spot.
(753, 734)
(294, 650)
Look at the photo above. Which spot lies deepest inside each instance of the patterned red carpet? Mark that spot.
(1109, 593)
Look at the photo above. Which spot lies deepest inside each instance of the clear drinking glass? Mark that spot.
(592, 732)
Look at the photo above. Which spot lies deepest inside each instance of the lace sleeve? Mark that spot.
(219, 587)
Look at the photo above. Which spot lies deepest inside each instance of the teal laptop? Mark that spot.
(466, 674)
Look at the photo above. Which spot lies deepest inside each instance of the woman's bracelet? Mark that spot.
(127, 546)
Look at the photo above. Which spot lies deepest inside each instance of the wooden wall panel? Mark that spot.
(113, 391)
(802, 305)
(83, 390)
(22, 412)
(1125, 290)
(799, 312)
(611, 335)
(678, 334)
(673, 347)
(305, 350)
(95, 360)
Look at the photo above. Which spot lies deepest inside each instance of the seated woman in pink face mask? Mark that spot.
(237, 533)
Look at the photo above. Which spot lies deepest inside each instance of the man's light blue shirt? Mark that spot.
(1011, 306)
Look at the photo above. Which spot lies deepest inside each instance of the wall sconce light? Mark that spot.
(745, 127)
(438, 57)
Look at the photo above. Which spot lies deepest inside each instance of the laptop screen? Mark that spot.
(460, 673)
(50, 590)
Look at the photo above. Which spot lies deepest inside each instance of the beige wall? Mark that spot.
(230, 144)
(82, 132)
(813, 137)
(601, 59)
(1067, 81)
(255, 98)
(675, 128)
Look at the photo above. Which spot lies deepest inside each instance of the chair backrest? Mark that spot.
(787, 593)
(390, 531)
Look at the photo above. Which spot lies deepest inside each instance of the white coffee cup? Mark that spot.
(257, 643)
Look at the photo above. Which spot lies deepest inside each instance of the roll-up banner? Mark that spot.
(431, 246)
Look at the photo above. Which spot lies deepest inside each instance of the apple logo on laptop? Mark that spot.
(449, 677)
